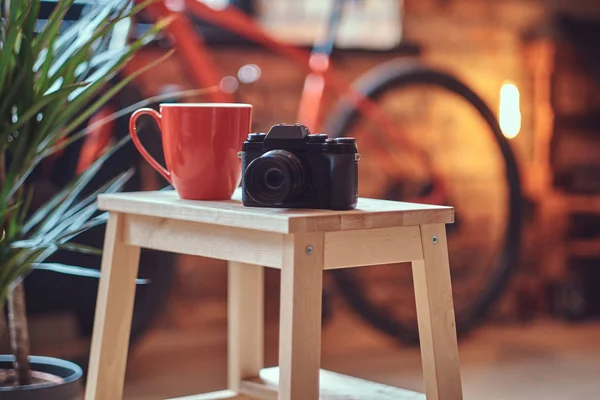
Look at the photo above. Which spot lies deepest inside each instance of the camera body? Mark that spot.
(291, 168)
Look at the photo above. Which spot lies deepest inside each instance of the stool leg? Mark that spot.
(435, 312)
(114, 310)
(300, 317)
(245, 304)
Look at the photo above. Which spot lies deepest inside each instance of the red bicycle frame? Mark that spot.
(201, 68)
(196, 56)
(192, 49)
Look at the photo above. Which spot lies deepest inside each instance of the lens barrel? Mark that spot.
(274, 177)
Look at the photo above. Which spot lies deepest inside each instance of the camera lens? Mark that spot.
(275, 177)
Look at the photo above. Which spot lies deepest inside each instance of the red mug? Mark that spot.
(200, 143)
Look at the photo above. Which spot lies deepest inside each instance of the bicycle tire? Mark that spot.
(397, 74)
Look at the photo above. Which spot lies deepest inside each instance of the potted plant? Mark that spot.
(50, 83)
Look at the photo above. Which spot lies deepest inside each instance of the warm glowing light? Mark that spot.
(510, 113)
(229, 84)
(249, 73)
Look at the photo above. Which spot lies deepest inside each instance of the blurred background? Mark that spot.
(525, 249)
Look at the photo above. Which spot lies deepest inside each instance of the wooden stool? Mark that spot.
(302, 244)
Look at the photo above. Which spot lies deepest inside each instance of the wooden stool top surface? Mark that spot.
(370, 213)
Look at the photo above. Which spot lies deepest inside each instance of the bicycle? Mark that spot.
(413, 173)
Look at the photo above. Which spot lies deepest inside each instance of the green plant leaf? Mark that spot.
(87, 34)
(94, 107)
(26, 204)
(131, 108)
(48, 129)
(113, 186)
(14, 30)
(70, 33)
(8, 209)
(72, 41)
(79, 215)
(64, 227)
(82, 96)
(80, 248)
(43, 211)
(51, 30)
(38, 76)
(48, 58)
(9, 95)
(18, 265)
(109, 94)
(75, 189)
(14, 8)
(79, 48)
(77, 271)
(92, 223)
(34, 163)
(26, 93)
(47, 99)
(27, 243)
(29, 24)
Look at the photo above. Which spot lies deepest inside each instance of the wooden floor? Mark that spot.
(545, 360)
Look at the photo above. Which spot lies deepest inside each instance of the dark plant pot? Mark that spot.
(70, 389)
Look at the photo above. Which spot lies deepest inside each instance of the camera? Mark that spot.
(291, 168)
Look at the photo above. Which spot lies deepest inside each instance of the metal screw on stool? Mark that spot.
(434, 239)
(309, 250)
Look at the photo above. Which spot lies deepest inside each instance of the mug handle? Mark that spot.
(136, 140)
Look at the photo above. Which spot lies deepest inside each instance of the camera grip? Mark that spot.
(136, 140)
(344, 182)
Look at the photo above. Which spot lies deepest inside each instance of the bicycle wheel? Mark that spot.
(484, 241)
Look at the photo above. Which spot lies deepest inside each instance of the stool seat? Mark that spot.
(302, 243)
(369, 214)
